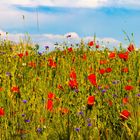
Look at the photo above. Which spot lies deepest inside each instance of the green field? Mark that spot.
(78, 93)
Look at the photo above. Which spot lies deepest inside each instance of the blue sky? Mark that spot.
(83, 18)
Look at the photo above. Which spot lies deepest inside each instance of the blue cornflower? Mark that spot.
(27, 121)
(77, 129)
(46, 47)
(81, 113)
(138, 94)
(23, 115)
(114, 82)
(89, 124)
(24, 101)
(103, 91)
(39, 130)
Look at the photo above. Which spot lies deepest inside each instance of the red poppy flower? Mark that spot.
(103, 62)
(60, 87)
(97, 46)
(102, 71)
(2, 112)
(91, 43)
(1, 89)
(51, 63)
(51, 95)
(125, 100)
(92, 79)
(108, 70)
(110, 103)
(112, 55)
(125, 114)
(84, 57)
(22, 131)
(73, 83)
(49, 105)
(73, 74)
(128, 87)
(37, 78)
(15, 89)
(125, 70)
(106, 87)
(73, 59)
(64, 110)
(32, 64)
(131, 48)
(91, 100)
(26, 53)
(64, 52)
(20, 55)
(70, 49)
(124, 56)
(129, 80)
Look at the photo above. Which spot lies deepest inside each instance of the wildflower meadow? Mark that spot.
(79, 92)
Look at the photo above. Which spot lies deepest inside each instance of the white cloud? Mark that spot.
(50, 39)
(75, 3)
(73, 35)
(110, 40)
(12, 19)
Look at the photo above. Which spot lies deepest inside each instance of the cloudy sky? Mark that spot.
(49, 21)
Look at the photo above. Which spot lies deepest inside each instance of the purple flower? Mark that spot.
(114, 82)
(23, 115)
(24, 101)
(46, 47)
(99, 87)
(77, 129)
(138, 94)
(103, 91)
(2, 52)
(89, 124)
(27, 121)
(115, 95)
(68, 36)
(8, 74)
(76, 90)
(39, 130)
(81, 113)
(39, 53)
